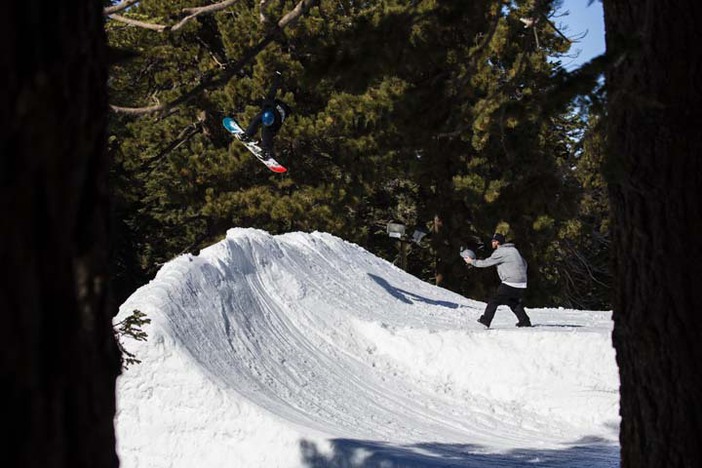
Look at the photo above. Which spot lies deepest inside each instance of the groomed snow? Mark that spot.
(303, 350)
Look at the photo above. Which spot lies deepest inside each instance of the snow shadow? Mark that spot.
(409, 297)
(590, 452)
(553, 325)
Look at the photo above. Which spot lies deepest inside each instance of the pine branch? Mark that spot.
(225, 74)
(120, 6)
(294, 15)
(139, 24)
(556, 29)
(213, 81)
(183, 137)
(130, 327)
(190, 14)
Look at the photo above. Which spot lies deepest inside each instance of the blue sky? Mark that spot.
(583, 18)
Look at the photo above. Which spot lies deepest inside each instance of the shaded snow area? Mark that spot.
(303, 350)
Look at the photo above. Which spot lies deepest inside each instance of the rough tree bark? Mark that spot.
(655, 173)
(59, 361)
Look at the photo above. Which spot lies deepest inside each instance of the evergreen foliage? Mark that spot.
(131, 327)
(402, 111)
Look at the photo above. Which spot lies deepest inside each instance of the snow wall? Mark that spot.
(305, 350)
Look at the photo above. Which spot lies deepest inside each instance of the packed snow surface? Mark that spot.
(303, 350)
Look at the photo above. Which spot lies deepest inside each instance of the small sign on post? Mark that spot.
(396, 230)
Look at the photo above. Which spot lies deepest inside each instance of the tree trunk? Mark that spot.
(59, 360)
(655, 174)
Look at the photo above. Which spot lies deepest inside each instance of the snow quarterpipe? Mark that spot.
(305, 350)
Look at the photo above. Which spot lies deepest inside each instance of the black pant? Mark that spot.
(267, 133)
(509, 296)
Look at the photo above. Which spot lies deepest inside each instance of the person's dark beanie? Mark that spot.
(499, 238)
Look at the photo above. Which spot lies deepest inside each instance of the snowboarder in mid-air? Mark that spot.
(271, 116)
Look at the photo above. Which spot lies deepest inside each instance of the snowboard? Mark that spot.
(235, 129)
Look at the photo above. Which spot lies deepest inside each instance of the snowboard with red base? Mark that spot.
(235, 129)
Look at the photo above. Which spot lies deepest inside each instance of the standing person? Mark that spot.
(512, 270)
(272, 114)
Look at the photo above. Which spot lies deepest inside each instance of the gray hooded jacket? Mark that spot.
(511, 267)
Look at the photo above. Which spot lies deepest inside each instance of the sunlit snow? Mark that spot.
(303, 350)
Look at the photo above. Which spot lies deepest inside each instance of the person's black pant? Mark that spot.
(509, 296)
(267, 133)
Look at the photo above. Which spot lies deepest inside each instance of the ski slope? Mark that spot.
(303, 350)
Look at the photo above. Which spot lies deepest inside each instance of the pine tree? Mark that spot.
(503, 158)
(402, 111)
(581, 266)
(182, 183)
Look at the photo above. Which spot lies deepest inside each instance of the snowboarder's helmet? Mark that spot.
(268, 118)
